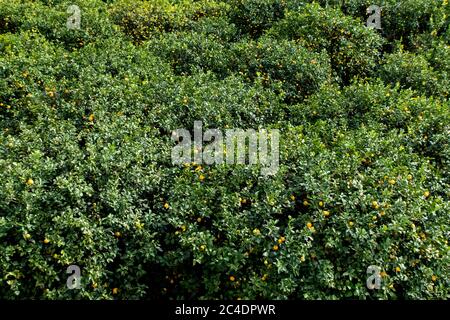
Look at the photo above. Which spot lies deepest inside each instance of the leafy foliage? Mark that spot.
(85, 149)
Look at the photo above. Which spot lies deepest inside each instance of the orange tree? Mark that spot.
(85, 150)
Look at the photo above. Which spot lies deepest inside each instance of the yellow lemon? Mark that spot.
(139, 225)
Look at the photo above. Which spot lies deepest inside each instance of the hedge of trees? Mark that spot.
(86, 116)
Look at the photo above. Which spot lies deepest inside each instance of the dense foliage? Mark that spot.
(85, 149)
